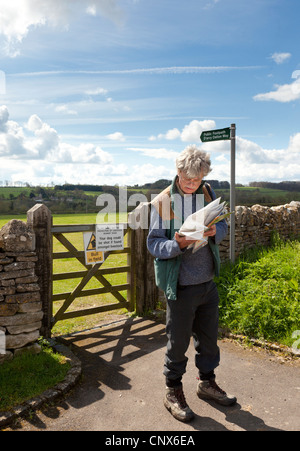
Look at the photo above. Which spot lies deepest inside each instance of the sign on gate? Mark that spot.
(91, 255)
(109, 237)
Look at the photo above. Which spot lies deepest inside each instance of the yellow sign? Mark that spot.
(92, 243)
(91, 255)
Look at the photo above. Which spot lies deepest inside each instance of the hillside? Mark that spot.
(82, 198)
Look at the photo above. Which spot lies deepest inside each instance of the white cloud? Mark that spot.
(35, 152)
(44, 143)
(193, 130)
(280, 58)
(141, 174)
(66, 110)
(117, 136)
(156, 153)
(190, 132)
(4, 115)
(254, 163)
(97, 92)
(283, 93)
(172, 134)
(91, 10)
(18, 18)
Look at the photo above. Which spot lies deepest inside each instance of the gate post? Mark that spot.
(146, 292)
(40, 219)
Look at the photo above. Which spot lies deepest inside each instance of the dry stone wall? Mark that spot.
(254, 226)
(21, 310)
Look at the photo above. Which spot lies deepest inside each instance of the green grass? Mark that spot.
(260, 293)
(28, 376)
(14, 191)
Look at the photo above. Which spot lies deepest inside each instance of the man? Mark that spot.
(187, 280)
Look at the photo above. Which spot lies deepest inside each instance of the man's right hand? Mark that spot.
(183, 241)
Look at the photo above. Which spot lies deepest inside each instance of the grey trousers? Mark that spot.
(194, 313)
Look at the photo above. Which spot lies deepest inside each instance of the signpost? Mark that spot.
(220, 135)
(215, 135)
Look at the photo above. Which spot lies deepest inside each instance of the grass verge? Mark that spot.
(259, 294)
(27, 376)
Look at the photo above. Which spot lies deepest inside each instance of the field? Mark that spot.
(248, 196)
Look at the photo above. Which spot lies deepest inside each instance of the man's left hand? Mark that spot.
(211, 231)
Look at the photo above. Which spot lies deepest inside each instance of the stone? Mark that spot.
(5, 260)
(16, 274)
(25, 328)
(7, 283)
(21, 340)
(23, 298)
(25, 258)
(31, 307)
(17, 266)
(21, 318)
(32, 279)
(17, 236)
(7, 290)
(27, 287)
(8, 309)
(31, 349)
(20, 254)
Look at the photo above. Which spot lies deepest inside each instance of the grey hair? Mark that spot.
(193, 162)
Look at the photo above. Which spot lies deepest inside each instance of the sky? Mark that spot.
(111, 91)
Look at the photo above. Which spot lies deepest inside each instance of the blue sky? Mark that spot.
(111, 91)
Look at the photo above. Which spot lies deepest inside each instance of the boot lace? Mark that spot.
(179, 395)
(215, 386)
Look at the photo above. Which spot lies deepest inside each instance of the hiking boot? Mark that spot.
(176, 404)
(210, 390)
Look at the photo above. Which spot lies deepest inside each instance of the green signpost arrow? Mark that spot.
(220, 135)
(215, 135)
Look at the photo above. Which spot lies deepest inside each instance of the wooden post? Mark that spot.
(232, 192)
(146, 292)
(131, 264)
(40, 219)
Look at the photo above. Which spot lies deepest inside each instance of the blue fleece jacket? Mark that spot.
(195, 267)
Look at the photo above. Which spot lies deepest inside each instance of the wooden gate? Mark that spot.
(61, 234)
(139, 285)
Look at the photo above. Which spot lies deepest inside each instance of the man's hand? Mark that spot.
(211, 231)
(183, 241)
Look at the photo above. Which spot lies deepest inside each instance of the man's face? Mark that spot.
(187, 185)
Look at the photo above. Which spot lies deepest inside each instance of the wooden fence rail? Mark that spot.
(142, 294)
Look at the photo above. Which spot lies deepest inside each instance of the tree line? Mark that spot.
(76, 198)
